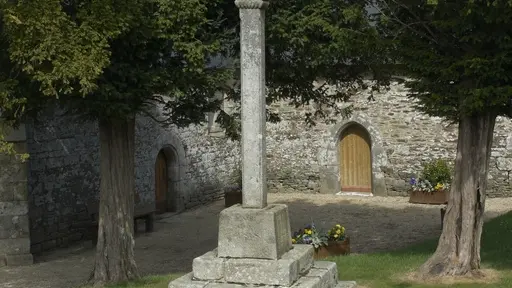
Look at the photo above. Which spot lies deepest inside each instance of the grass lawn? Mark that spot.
(380, 270)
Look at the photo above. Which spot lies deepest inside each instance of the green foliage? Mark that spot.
(457, 52)
(437, 171)
(111, 59)
(107, 59)
(329, 41)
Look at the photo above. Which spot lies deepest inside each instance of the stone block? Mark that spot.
(261, 271)
(13, 208)
(304, 254)
(307, 282)
(229, 285)
(14, 226)
(329, 180)
(326, 271)
(254, 233)
(186, 281)
(346, 284)
(15, 135)
(20, 191)
(19, 259)
(208, 266)
(15, 246)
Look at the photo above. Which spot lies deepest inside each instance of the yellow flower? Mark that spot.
(309, 232)
(338, 231)
(336, 235)
(294, 241)
(338, 226)
(342, 229)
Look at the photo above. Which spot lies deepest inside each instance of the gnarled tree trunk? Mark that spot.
(115, 261)
(458, 251)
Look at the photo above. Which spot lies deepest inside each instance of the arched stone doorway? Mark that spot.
(355, 160)
(165, 172)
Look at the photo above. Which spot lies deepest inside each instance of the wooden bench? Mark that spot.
(146, 212)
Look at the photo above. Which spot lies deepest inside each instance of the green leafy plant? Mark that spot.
(437, 171)
(310, 235)
(436, 175)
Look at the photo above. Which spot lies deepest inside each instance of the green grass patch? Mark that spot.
(381, 270)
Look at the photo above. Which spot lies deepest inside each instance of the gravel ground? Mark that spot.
(373, 224)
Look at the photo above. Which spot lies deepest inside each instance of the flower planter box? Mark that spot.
(436, 198)
(334, 248)
(232, 197)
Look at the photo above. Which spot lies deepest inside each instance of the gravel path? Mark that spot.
(369, 222)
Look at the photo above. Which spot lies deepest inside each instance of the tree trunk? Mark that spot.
(458, 250)
(115, 258)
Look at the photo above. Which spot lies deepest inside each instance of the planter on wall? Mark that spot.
(232, 197)
(437, 198)
(333, 248)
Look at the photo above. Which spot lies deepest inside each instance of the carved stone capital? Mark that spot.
(251, 4)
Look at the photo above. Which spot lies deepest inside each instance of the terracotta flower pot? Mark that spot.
(334, 248)
(436, 198)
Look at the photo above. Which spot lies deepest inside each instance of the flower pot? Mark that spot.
(333, 248)
(435, 198)
(232, 197)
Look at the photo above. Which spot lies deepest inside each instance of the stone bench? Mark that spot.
(146, 212)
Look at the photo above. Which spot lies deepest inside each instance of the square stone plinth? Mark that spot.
(284, 271)
(321, 275)
(254, 233)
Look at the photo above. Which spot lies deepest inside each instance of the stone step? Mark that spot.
(283, 271)
(322, 274)
(346, 284)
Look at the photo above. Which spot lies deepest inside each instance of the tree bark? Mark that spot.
(458, 250)
(115, 257)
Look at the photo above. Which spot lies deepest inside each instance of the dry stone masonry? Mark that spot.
(302, 158)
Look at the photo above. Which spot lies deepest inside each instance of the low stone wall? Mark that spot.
(302, 158)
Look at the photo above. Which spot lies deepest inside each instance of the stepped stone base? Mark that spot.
(295, 268)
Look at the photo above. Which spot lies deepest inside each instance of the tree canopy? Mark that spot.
(457, 54)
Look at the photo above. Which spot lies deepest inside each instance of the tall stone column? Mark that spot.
(254, 245)
(252, 54)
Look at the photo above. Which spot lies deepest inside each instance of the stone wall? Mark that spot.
(64, 172)
(305, 158)
(14, 219)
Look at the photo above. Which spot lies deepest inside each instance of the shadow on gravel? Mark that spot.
(177, 240)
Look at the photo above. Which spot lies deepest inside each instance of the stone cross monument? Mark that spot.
(254, 245)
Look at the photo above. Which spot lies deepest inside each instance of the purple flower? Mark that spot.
(413, 181)
(307, 240)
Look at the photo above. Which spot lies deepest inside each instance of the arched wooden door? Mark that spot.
(161, 182)
(355, 160)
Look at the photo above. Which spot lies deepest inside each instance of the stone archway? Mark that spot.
(329, 157)
(166, 172)
(355, 163)
(169, 146)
